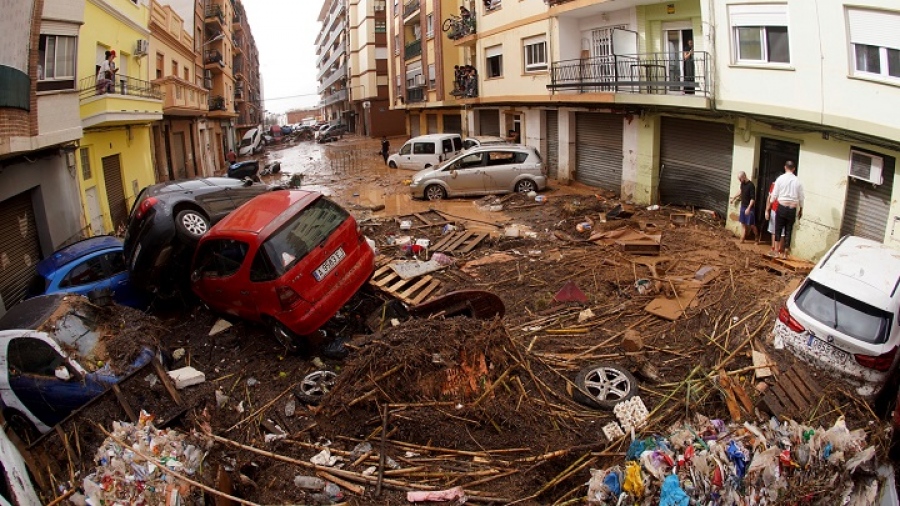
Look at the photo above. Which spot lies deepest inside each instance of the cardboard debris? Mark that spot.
(408, 269)
(496, 258)
(630, 241)
(673, 308)
(762, 364)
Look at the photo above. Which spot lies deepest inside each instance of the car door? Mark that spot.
(86, 275)
(219, 277)
(423, 155)
(240, 192)
(212, 195)
(466, 175)
(500, 171)
(117, 279)
(404, 157)
(31, 365)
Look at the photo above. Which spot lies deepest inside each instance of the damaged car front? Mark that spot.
(53, 360)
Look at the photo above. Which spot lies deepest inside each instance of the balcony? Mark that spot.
(650, 74)
(238, 94)
(214, 12)
(238, 44)
(338, 74)
(213, 60)
(412, 49)
(207, 83)
(459, 28)
(124, 102)
(217, 103)
(414, 95)
(337, 96)
(181, 98)
(410, 7)
(236, 23)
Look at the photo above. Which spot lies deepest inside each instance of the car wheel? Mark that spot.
(22, 426)
(392, 165)
(525, 186)
(291, 341)
(604, 385)
(315, 386)
(435, 192)
(191, 224)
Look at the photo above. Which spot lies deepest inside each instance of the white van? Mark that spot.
(251, 143)
(426, 151)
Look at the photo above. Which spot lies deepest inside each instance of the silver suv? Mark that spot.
(481, 171)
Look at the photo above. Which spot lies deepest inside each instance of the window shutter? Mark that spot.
(493, 51)
(874, 28)
(758, 15)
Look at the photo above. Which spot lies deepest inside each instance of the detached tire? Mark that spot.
(191, 224)
(315, 386)
(604, 385)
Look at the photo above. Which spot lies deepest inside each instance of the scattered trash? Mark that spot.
(531, 195)
(442, 259)
(178, 354)
(643, 286)
(62, 373)
(632, 341)
(451, 494)
(221, 398)
(511, 231)
(448, 228)
(186, 376)
(585, 315)
(325, 458)
(632, 413)
(570, 293)
(409, 269)
(654, 207)
(290, 408)
(612, 431)
(541, 198)
(220, 326)
(309, 482)
(252, 382)
(583, 227)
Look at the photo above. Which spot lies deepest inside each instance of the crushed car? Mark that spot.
(16, 488)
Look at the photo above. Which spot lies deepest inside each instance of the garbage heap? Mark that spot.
(711, 462)
(137, 465)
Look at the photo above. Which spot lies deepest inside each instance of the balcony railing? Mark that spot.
(214, 11)
(412, 49)
(238, 68)
(650, 73)
(335, 97)
(238, 43)
(410, 8)
(217, 103)
(123, 85)
(213, 56)
(415, 95)
(236, 19)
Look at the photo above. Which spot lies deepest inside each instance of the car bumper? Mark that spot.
(541, 182)
(866, 382)
(417, 190)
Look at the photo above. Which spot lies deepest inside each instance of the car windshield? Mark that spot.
(301, 234)
(844, 314)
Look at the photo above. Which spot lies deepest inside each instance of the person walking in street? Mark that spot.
(385, 148)
(789, 194)
(747, 216)
(231, 156)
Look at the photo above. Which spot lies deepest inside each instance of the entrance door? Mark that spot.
(178, 155)
(95, 216)
(772, 155)
(552, 143)
(19, 248)
(675, 38)
(115, 191)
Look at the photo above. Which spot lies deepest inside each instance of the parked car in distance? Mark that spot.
(843, 317)
(241, 170)
(41, 379)
(332, 133)
(168, 218)
(289, 259)
(95, 263)
(482, 171)
(483, 140)
(251, 142)
(426, 151)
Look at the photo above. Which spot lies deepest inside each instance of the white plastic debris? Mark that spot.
(325, 458)
(290, 408)
(309, 482)
(369, 471)
(252, 382)
(179, 353)
(612, 431)
(632, 414)
(585, 315)
(405, 224)
(221, 398)
(221, 325)
(186, 376)
(452, 494)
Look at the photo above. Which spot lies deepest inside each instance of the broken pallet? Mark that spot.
(794, 394)
(411, 291)
(787, 266)
(459, 242)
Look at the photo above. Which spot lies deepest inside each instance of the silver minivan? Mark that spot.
(426, 151)
(481, 171)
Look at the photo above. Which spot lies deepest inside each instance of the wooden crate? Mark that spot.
(459, 242)
(794, 395)
(411, 291)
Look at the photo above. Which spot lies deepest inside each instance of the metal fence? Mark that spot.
(123, 85)
(653, 73)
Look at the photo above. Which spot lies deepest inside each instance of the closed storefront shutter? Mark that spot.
(415, 128)
(489, 122)
(696, 164)
(115, 192)
(868, 206)
(598, 150)
(553, 143)
(431, 119)
(452, 124)
(19, 247)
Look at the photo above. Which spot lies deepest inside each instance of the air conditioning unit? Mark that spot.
(142, 47)
(420, 80)
(866, 167)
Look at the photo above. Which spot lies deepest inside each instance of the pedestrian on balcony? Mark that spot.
(107, 73)
(385, 148)
(688, 56)
(472, 82)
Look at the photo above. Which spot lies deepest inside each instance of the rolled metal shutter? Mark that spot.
(115, 191)
(598, 150)
(867, 208)
(553, 143)
(489, 122)
(431, 123)
(19, 247)
(452, 124)
(415, 128)
(696, 164)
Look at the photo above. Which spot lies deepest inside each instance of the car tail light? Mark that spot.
(784, 316)
(287, 297)
(879, 363)
(145, 206)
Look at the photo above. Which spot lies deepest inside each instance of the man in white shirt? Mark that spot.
(788, 193)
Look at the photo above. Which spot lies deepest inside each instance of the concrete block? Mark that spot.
(186, 376)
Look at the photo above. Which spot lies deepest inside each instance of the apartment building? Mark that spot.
(39, 127)
(116, 152)
(248, 85)
(219, 76)
(332, 62)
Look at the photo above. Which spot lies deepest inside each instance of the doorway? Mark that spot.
(772, 155)
(675, 38)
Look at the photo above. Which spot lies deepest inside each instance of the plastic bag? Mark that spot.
(672, 494)
(634, 484)
(738, 458)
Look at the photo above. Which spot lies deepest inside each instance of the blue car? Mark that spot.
(95, 263)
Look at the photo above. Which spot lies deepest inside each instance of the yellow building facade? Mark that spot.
(115, 155)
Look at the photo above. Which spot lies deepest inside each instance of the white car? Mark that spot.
(484, 140)
(843, 319)
(16, 488)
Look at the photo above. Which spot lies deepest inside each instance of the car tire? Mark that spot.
(315, 386)
(286, 337)
(604, 385)
(191, 224)
(21, 426)
(525, 186)
(392, 165)
(435, 192)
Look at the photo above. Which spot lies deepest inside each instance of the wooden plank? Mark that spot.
(788, 407)
(742, 396)
(417, 285)
(809, 382)
(801, 388)
(439, 246)
(385, 275)
(730, 401)
(473, 242)
(771, 404)
(167, 382)
(398, 285)
(426, 292)
(792, 394)
(461, 238)
(124, 403)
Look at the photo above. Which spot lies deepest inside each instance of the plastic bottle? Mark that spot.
(309, 482)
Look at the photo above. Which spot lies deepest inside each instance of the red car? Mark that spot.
(288, 259)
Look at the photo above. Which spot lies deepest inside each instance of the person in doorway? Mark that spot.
(231, 156)
(688, 56)
(771, 210)
(789, 194)
(747, 210)
(108, 71)
(385, 148)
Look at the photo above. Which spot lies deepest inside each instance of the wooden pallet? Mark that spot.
(411, 291)
(459, 242)
(794, 394)
(428, 218)
(787, 266)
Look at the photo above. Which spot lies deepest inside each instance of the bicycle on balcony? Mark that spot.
(459, 26)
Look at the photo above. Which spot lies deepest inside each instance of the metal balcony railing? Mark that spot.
(337, 96)
(123, 85)
(217, 103)
(648, 73)
(214, 11)
(213, 56)
(412, 49)
(207, 83)
(410, 8)
(415, 95)
(238, 68)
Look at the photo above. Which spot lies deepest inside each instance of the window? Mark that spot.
(432, 82)
(306, 231)
(380, 5)
(27, 355)
(760, 33)
(874, 43)
(429, 25)
(494, 59)
(221, 258)
(85, 163)
(85, 273)
(423, 148)
(160, 63)
(844, 314)
(56, 62)
(381, 26)
(396, 44)
(187, 75)
(406, 149)
(535, 51)
(174, 68)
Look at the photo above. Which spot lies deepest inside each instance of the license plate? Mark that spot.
(825, 349)
(329, 264)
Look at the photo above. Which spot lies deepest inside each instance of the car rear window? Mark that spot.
(844, 314)
(292, 242)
